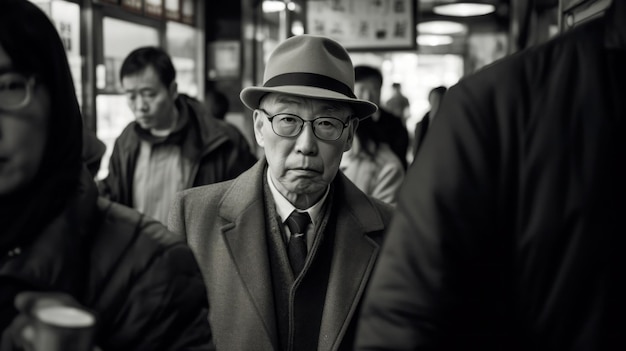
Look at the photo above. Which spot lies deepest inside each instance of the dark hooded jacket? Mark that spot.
(509, 231)
(143, 285)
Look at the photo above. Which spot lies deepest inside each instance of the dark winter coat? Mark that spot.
(509, 232)
(226, 225)
(142, 283)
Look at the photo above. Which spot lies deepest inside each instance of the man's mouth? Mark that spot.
(305, 170)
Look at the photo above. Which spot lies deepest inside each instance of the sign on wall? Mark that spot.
(364, 24)
(224, 59)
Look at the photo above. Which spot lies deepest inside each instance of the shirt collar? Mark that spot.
(284, 207)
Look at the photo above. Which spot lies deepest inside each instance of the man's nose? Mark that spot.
(306, 142)
(139, 104)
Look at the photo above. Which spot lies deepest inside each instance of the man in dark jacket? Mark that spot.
(421, 128)
(172, 145)
(509, 232)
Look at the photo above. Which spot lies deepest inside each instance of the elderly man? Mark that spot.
(275, 283)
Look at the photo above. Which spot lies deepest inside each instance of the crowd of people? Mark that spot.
(502, 233)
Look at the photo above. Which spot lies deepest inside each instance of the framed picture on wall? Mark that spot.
(224, 59)
(365, 24)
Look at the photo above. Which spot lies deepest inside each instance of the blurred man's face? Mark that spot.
(368, 89)
(150, 100)
(302, 166)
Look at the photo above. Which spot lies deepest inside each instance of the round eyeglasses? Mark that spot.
(290, 125)
(15, 90)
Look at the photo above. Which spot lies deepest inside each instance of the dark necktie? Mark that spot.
(297, 223)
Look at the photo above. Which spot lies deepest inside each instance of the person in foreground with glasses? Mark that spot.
(68, 256)
(287, 248)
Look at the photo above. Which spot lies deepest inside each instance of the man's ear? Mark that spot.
(354, 124)
(258, 122)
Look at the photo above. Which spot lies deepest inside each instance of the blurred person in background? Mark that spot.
(372, 166)
(287, 247)
(172, 145)
(509, 231)
(398, 104)
(217, 103)
(421, 128)
(62, 245)
(391, 128)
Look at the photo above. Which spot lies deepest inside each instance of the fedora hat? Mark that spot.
(310, 66)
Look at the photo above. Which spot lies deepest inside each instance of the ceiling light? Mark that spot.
(434, 40)
(441, 27)
(464, 9)
(292, 6)
(273, 6)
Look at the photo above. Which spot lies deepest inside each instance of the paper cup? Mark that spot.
(63, 328)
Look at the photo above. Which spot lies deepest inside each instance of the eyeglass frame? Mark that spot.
(30, 87)
(270, 117)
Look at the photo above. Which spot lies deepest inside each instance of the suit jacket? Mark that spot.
(224, 224)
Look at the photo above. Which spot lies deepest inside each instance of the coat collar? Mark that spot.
(211, 131)
(247, 190)
(354, 255)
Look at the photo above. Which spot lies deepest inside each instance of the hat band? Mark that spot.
(312, 80)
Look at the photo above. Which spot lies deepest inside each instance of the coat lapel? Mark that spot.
(353, 259)
(243, 210)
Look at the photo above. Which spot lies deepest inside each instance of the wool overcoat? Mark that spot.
(225, 225)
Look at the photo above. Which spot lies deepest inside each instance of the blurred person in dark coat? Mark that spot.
(173, 144)
(390, 128)
(398, 104)
(217, 103)
(273, 286)
(421, 128)
(509, 232)
(62, 245)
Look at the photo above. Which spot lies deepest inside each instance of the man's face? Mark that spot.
(368, 89)
(302, 166)
(151, 102)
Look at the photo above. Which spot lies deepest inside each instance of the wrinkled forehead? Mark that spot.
(282, 101)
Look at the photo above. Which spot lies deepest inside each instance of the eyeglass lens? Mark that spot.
(13, 90)
(325, 128)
